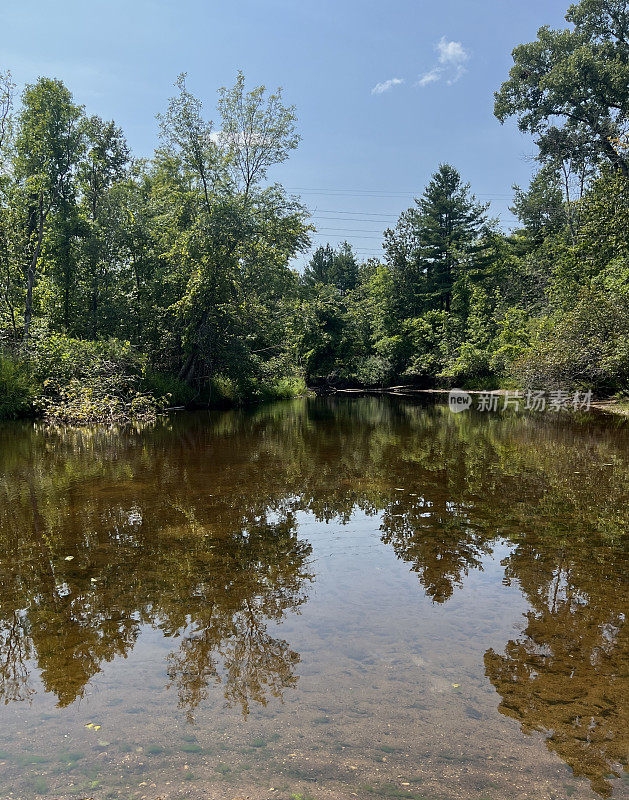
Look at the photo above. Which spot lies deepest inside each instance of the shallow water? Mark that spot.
(364, 598)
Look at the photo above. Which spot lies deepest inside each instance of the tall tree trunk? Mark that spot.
(32, 267)
(94, 305)
(186, 373)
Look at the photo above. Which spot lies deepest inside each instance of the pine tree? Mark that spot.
(448, 231)
(333, 267)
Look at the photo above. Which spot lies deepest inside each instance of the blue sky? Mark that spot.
(385, 91)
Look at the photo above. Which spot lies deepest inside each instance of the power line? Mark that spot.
(378, 192)
(350, 230)
(340, 230)
(350, 219)
(361, 213)
(373, 218)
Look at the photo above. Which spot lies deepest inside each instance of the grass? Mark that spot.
(163, 385)
(190, 747)
(391, 790)
(39, 785)
(17, 390)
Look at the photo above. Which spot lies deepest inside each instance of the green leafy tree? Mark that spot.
(104, 164)
(540, 208)
(258, 131)
(449, 227)
(48, 147)
(236, 253)
(7, 215)
(7, 92)
(184, 130)
(434, 244)
(403, 257)
(573, 84)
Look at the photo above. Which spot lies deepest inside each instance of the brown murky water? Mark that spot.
(318, 599)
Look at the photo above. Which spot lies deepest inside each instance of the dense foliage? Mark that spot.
(167, 276)
(171, 277)
(456, 300)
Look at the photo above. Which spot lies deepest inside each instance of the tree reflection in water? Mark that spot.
(566, 675)
(191, 527)
(89, 568)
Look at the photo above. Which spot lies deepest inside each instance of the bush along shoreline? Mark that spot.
(75, 382)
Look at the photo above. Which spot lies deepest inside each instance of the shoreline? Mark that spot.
(606, 406)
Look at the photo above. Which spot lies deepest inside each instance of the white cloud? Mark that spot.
(451, 63)
(451, 52)
(429, 77)
(380, 88)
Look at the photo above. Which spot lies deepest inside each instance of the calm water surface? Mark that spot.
(319, 599)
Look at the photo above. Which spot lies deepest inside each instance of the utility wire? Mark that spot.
(361, 213)
(379, 192)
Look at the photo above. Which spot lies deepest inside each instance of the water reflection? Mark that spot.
(191, 527)
(566, 674)
(90, 565)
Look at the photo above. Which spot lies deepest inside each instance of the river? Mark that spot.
(321, 598)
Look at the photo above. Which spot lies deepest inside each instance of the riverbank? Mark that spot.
(78, 382)
(605, 405)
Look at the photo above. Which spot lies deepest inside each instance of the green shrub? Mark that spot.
(99, 400)
(178, 393)
(472, 369)
(17, 390)
(588, 347)
(222, 391)
(434, 338)
(284, 389)
(55, 359)
(84, 382)
(374, 370)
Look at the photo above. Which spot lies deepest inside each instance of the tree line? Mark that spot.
(123, 280)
